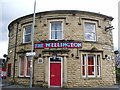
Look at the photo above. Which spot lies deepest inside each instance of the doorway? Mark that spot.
(55, 72)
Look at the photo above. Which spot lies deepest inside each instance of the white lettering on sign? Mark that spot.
(107, 48)
(58, 45)
(30, 54)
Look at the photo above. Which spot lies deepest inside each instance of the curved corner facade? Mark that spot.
(72, 49)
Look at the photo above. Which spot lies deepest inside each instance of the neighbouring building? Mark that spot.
(73, 49)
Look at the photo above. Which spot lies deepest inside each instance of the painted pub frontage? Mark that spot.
(72, 49)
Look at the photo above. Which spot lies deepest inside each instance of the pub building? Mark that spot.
(72, 49)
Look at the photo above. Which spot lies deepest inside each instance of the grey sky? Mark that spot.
(12, 9)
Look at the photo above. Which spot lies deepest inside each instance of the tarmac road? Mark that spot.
(8, 86)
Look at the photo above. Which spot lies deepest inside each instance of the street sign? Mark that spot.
(30, 54)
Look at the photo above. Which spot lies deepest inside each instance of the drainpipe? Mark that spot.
(15, 52)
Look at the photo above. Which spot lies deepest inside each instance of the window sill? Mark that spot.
(23, 77)
(89, 78)
(25, 43)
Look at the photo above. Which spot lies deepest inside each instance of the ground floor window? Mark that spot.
(9, 70)
(91, 65)
(24, 66)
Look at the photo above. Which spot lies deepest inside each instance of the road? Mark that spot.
(7, 86)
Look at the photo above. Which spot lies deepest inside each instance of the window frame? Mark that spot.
(95, 65)
(91, 65)
(57, 30)
(20, 66)
(9, 68)
(90, 22)
(26, 34)
(25, 67)
(85, 65)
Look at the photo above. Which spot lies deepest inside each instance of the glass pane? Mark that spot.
(90, 70)
(98, 71)
(98, 65)
(83, 64)
(56, 26)
(28, 38)
(56, 35)
(89, 27)
(28, 29)
(90, 36)
(59, 35)
(9, 70)
(28, 66)
(83, 70)
(55, 60)
(90, 59)
(53, 35)
(84, 58)
(21, 65)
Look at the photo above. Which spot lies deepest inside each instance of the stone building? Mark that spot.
(73, 49)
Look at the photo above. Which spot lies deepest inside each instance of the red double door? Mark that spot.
(55, 75)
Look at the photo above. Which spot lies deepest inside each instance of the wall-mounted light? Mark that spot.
(109, 28)
(72, 55)
(54, 55)
(108, 57)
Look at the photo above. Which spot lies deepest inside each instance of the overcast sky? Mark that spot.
(12, 9)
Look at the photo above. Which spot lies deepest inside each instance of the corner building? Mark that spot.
(73, 49)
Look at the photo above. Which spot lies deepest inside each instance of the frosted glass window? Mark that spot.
(90, 32)
(27, 33)
(56, 30)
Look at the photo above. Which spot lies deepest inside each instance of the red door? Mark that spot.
(55, 75)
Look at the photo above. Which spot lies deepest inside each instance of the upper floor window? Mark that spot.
(90, 32)
(56, 31)
(27, 33)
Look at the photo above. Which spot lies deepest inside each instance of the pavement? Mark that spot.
(8, 86)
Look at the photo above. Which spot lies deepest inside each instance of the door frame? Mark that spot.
(61, 71)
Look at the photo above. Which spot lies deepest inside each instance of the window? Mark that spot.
(28, 66)
(90, 32)
(27, 33)
(24, 66)
(56, 31)
(9, 70)
(90, 65)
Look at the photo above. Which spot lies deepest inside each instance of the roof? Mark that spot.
(59, 12)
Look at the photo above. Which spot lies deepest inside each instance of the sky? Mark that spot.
(13, 9)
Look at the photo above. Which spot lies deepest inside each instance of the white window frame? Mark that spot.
(26, 34)
(85, 65)
(99, 65)
(91, 32)
(57, 30)
(20, 66)
(95, 65)
(26, 68)
(91, 65)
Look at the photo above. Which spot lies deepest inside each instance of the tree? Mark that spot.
(116, 52)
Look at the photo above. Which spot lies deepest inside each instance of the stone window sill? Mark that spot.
(23, 77)
(89, 78)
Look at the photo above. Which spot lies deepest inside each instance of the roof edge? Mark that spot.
(58, 12)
